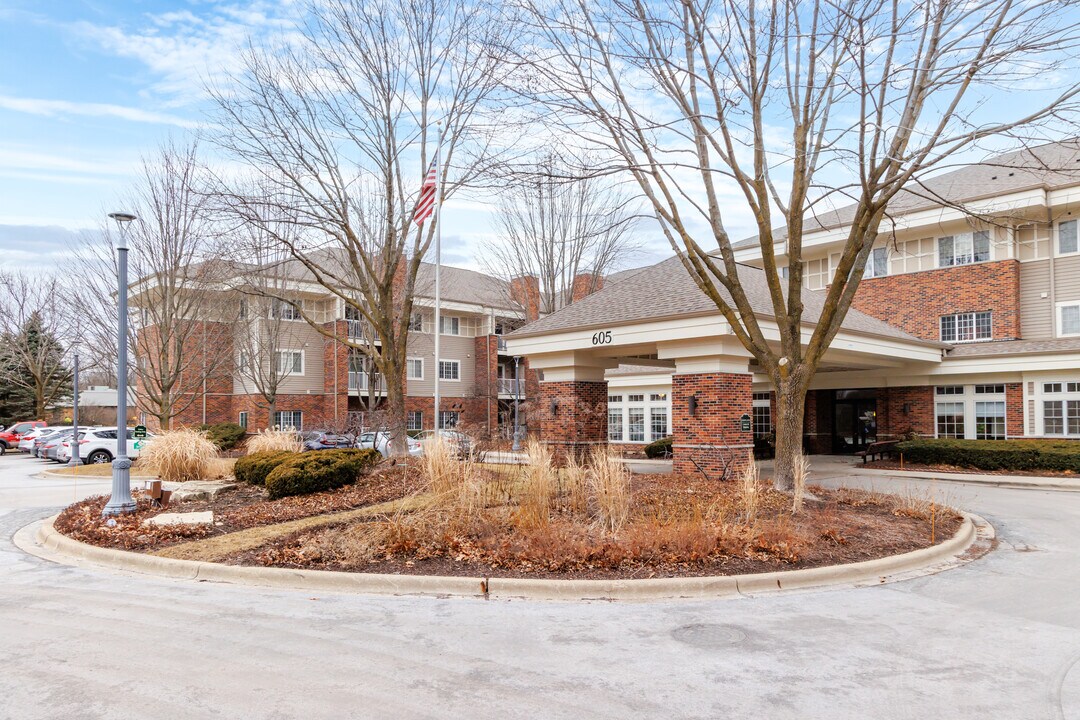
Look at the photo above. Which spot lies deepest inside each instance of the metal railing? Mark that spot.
(360, 381)
(509, 386)
(360, 330)
(501, 341)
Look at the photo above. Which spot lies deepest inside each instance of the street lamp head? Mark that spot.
(122, 219)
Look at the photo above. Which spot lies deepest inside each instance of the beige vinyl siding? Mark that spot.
(1036, 312)
(294, 335)
(1067, 278)
(452, 347)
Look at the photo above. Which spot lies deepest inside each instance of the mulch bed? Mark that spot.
(895, 465)
(667, 538)
(237, 509)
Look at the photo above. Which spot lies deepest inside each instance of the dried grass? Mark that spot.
(540, 480)
(439, 466)
(802, 472)
(179, 455)
(609, 487)
(274, 440)
(574, 487)
(750, 493)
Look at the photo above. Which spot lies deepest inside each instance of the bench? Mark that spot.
(878, 450)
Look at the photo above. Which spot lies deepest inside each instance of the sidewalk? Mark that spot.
(839, 465)
(641, 466)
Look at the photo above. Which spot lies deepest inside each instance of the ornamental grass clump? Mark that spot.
(439, 466)
(539, 483)
(750, 493)
(609, 489)
(273, 440)
(179, 455)
(802, 472)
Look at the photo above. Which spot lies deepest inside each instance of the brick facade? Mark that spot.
(904, 410)
(572, 414)
(914, 302)
(711, 438)
(817, 422)
(1014, 410)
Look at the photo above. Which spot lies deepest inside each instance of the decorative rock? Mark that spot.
(197, 489)
(191, 518)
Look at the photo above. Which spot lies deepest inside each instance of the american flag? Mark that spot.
(426, 204)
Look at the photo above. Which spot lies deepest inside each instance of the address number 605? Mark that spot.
(602, 338)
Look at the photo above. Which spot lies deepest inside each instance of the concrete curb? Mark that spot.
(948, 554)
(1019, 482)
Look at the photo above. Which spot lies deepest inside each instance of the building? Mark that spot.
(324, 384)
(967, 325)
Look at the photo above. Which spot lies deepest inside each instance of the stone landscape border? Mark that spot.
(973, 539)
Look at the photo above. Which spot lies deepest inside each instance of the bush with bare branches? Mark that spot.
(274, 440)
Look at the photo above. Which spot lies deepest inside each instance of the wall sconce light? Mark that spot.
(554, 406)
(691, 405)
(907, 408)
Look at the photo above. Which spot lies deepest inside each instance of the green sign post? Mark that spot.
(139, 433)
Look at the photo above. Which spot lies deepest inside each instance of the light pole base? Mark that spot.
(120, 502)
(74, 462)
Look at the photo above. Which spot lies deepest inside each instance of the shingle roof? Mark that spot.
(1015, 347)
(666, 290)
(1052, 165)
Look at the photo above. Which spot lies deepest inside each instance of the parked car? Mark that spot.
(10, 438)
(26, 442)
(381, 441)
(48, 441)
(52, 450)
(97, 446)
(319, 440)
(460, 443)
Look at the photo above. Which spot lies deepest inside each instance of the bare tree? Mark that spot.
(181, 324)
(780, 105)
(339, 131)
(562, 228)
(31, 330)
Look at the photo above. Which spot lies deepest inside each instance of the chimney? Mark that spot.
(525, 291)
(585, 284)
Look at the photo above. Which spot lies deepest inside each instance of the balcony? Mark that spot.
(358, 330)
(509, 386)
(501, 343)
(359, 382)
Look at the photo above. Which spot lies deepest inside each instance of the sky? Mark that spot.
(88, 87)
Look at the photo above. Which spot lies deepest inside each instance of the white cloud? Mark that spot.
(54, 108)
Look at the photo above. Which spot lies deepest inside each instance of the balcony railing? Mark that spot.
(509, 386)
(360, 330)
(359, 382)
(501, 342)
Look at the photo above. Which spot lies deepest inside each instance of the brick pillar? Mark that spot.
(904, 410)
(818, 422)
(573, 415)
(1014, 410)
(335, 408)
(486, 349)
(710, 437)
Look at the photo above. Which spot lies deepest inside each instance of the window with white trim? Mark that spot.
(658, 397)
(448, 419)
(964, 249)
(450, 324)
(1067, 242)
(415, 368)
(614, 398)
(289, 362)
(289, 420)
(635, 398)
(414, 420)
(1061, 408)
(877, 265)
(658, 422)
(636, 424)
(416, 322)
(950, 420)
(967, 327)
(762, 415)
(990, 420)
(449, 369)
(614, 425)
(241, 420)
(1068, 319)
(281, 310)
(816, 274)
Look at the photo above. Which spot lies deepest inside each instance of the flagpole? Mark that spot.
(438, 267)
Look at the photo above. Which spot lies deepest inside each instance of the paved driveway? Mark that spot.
(997, 638)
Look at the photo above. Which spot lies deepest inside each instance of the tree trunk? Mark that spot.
(395, 418)
(39, 402)
(790, 406)
(272, 409)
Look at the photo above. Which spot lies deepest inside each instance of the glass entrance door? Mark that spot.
(854, 420)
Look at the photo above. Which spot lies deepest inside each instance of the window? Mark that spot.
(614, 398)
(448, 419)
(636, 422)
(614, 425)
(1061, 416)
(415, 368)
(658, 397)
(950, 420)
(816, 274)
(414, 420)
(242, 361)
(989, 389)
(281, 310)
(449, 325)
(966, 327)
(290, 362)
(964, 249)
(635, 398)
(1053, 419)
(242, 310)
(658, 422)
(877, 265)
(1068, 319)
(949, 390)
(242, 420)
(416, 322)
(990, 420)
(1067, 237)
(449, 370)
(289, 420)
(762, 421)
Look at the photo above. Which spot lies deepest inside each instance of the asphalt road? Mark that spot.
(996, 638)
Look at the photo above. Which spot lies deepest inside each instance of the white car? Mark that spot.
(381, 442)
(97, 446)
(26, 442)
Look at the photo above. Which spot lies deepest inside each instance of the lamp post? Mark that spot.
(75, 461)
(120, 501)
(516, 447)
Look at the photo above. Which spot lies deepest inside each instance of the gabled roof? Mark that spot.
(667, 290)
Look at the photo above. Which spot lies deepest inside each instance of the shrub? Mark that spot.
(312, 472)
(225, 435)
(179, 455)
(253, 469)
(1054, 455)
(659, 448)
(274, 441)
